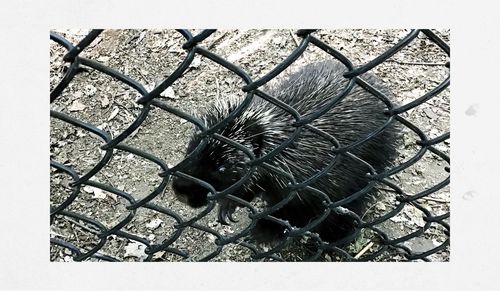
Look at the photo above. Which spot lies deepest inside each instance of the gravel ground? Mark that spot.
(149, 56)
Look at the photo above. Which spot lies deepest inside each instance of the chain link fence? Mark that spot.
(123, 104)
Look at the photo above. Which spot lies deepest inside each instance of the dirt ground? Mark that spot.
(149, 56)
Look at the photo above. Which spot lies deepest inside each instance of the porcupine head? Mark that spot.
(219, 163)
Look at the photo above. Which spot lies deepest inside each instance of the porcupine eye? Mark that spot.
(223, 177)
(226, 175)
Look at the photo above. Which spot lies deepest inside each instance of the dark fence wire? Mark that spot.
(76, 63)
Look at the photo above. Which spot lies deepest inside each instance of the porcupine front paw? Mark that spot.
(226, 211)
(227, 207)
(264, 231)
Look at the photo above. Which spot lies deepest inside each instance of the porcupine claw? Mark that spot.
(222, 216)
(226, 210)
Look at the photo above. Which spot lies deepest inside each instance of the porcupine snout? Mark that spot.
(189, 192)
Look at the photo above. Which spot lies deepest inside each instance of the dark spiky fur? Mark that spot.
(263, 127)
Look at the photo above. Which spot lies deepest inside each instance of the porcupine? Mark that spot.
(263, 126)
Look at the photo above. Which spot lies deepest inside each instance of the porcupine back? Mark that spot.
(355, 117)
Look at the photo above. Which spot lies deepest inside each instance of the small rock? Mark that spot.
(76, 106)
(196, 62)
(430, 114)
(104, 101)
(135, 249)
(154, 224)
(103, 59)
(90, 90)
(169, 93)
(99, 194)
(88, 189)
